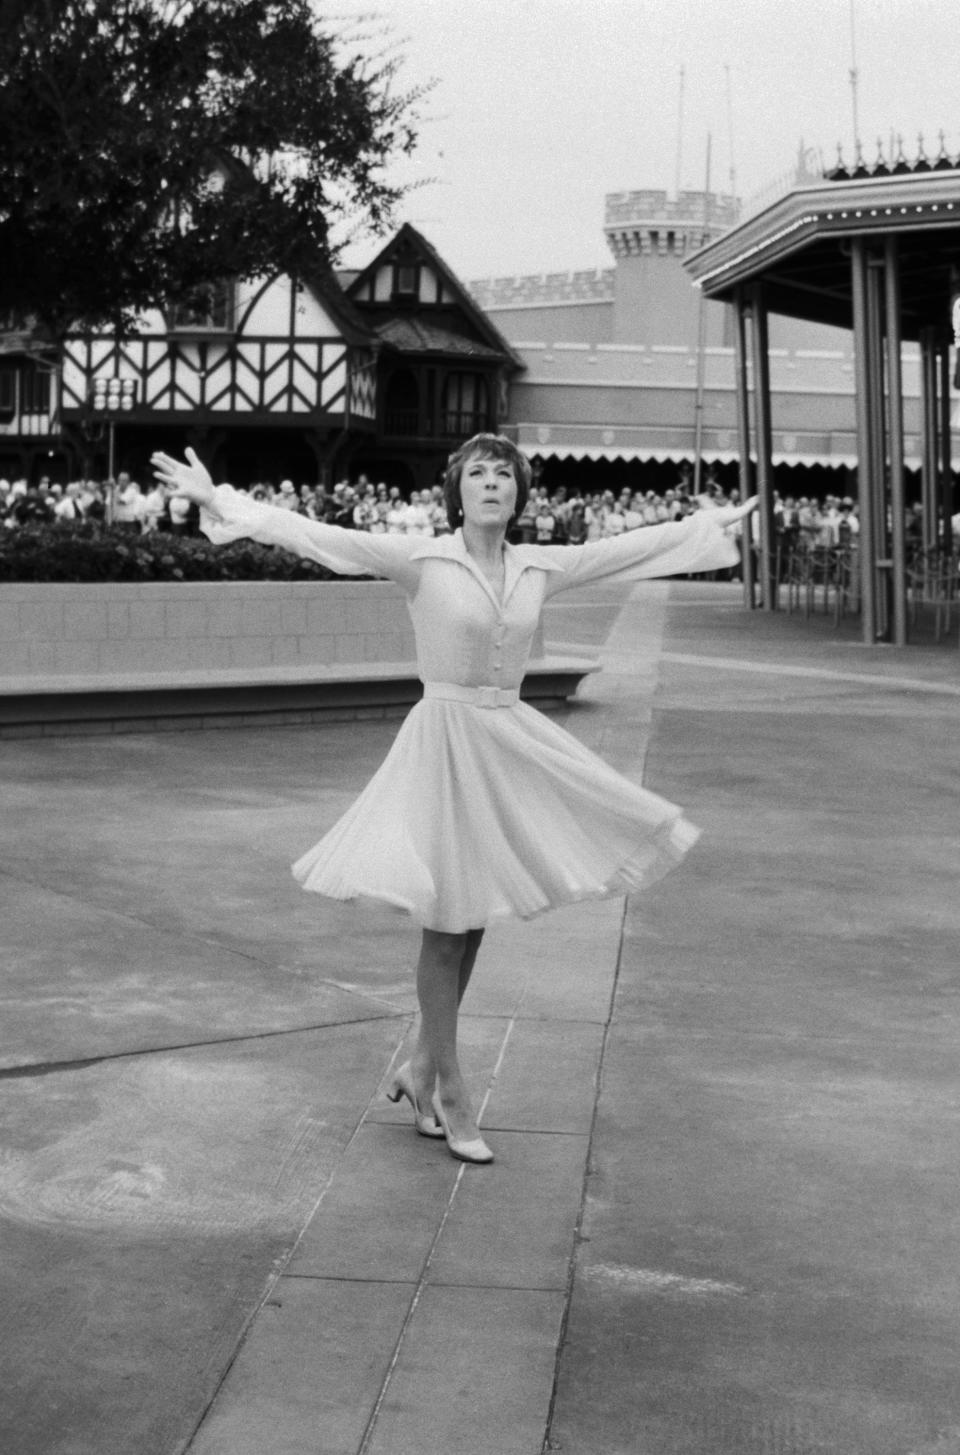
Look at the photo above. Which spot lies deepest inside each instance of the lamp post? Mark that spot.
(110, 399)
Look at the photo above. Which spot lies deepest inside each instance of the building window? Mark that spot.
(406, 280)
(8, 390)
(207, 310)
(466, 404)
(34, 390)
(402, 404)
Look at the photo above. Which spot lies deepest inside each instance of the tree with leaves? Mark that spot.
(151, 148)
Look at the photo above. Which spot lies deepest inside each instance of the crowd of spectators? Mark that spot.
(550, 515)
(554, 515)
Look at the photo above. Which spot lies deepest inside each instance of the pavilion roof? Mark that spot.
(800, 246)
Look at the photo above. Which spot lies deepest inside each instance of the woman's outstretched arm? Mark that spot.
(676, 548)
(229, 515)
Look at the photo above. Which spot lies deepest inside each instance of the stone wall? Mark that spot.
(172, 627)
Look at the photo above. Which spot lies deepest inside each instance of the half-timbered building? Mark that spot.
(444, 369)
(314, 378)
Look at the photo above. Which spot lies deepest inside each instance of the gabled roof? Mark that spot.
(319, 275)
(415, 336)
(407, 240)
(325, 284)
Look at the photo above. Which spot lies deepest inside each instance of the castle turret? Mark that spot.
(650, 234)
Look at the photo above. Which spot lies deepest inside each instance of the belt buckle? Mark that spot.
(488, 696)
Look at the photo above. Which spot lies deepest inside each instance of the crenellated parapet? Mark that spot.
(651, 222)
(594, 285)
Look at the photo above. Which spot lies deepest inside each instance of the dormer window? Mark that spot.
(406, 281)
(209, 309)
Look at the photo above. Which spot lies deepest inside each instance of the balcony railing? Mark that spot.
(404, 422)
(461, 423)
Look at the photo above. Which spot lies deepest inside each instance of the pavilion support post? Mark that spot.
(929, 453)
(743, 436)
(878, 443)
(865, 460)
(898, 506)
(945, 492)
(764, 436)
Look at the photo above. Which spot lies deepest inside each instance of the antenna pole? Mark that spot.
(701, 343)
(854, 76)
(676, 189)
(733, 165)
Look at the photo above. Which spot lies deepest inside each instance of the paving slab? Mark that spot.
(474, 1374)
(516, 1227)
(309, 1374)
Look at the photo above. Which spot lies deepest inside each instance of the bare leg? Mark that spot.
(446, 961)
(469, 960)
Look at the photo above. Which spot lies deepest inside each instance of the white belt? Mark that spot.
(478, 696)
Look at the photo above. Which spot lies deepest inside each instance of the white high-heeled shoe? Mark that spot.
(402, 1085)
(474, 1150)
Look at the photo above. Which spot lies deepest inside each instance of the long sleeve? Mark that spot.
(697, 543)
(233, 516)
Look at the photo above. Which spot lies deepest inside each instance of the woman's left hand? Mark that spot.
(725, 515)
(190, 480)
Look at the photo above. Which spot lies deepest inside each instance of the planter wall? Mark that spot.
(170, 627)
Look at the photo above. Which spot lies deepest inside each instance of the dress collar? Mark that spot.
(516, 559)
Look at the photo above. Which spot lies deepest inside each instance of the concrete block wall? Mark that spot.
(168, 627)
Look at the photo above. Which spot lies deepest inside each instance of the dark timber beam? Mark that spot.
(743, 435)
(764, 437)
(867, 535)
(898, 506)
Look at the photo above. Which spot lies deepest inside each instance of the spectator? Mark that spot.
(182, 515)
(287, 498)
(396, 512)
(438, 512)
(67, 509)
(416, 517)
(154, 509)
(32, 508)
(546, 524)
(365, 515)
(127, 502)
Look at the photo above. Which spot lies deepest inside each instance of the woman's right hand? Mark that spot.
(190, 481)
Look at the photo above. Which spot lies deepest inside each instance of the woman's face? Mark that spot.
(488, 491)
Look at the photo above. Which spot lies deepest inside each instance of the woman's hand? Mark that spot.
(190, 481)
(725, 515)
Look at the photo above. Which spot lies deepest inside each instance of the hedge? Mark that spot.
(88, 551)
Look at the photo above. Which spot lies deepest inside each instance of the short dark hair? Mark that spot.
(486, 447)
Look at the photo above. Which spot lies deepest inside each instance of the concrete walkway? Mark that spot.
(722, 1218)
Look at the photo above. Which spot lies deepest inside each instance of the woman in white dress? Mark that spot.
(483, 808)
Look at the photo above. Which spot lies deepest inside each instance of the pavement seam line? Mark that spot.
(45, 1068)
(272, 1284)
(370, 1427)
(21, 878)
(216, 944)
(830, 674)
(651, 660)
(548, 1445)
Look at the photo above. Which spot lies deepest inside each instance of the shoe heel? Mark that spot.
(400, 1086)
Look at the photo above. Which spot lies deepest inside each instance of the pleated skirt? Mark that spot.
(480, 814)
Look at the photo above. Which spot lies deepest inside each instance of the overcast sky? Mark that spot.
(541, 107)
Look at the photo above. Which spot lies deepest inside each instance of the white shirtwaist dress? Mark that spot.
(483, 807)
